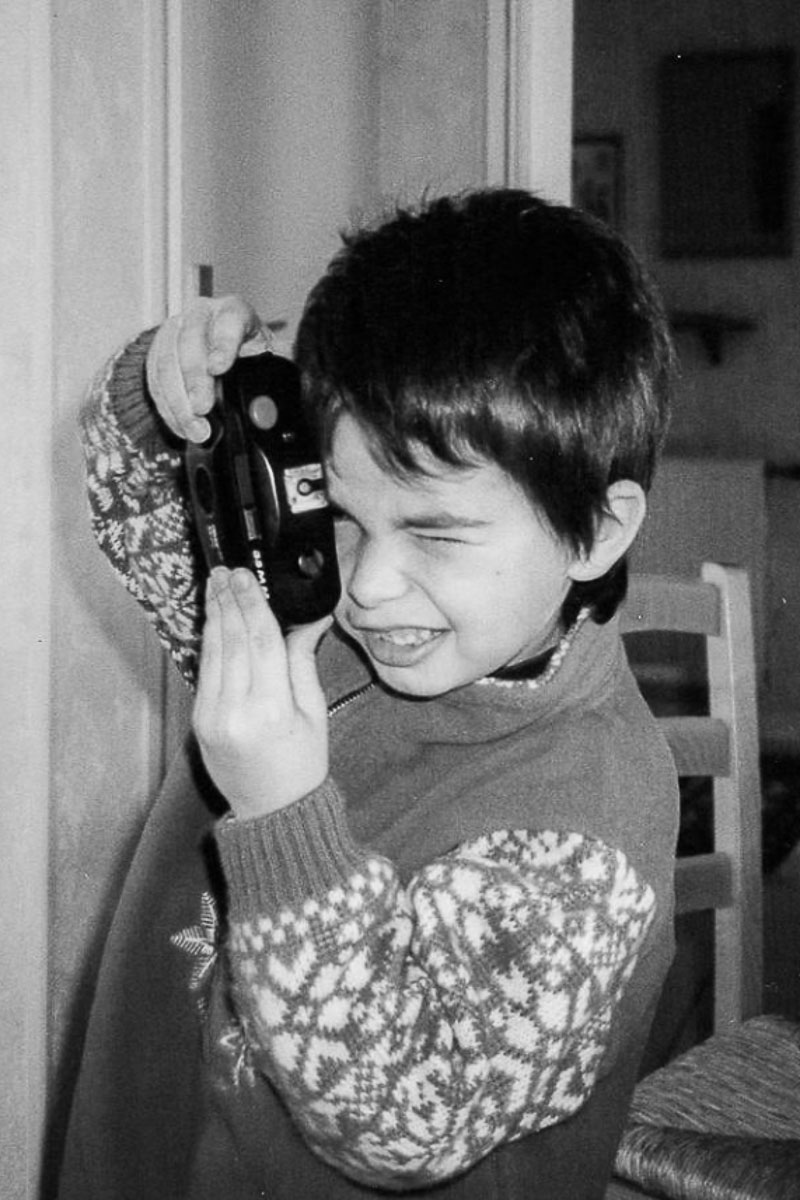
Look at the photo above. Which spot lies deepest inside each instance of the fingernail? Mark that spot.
(218, 580)
(241, 581)
(198, 430)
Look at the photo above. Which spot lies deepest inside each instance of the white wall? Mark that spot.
(340, 109)
(309, 146)
(76, 713)
(80, 731)
(474, 92)
(25, 641)
(433, 87)
(106, 672)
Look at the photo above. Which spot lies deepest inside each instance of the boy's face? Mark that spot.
(445, 577)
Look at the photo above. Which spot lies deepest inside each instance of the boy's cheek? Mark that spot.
(345, 550)
(345, 564)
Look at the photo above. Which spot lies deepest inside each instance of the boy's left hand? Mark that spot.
(260, 714)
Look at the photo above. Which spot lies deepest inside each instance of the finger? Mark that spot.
(209, 678)
(236, 675)
(266, 644)
(177, 371)
(233, 323)
(213, 333)
(189, 350)
(194, 361)
(165, 379)
(301, 651)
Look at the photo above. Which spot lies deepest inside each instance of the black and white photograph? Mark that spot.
(400, 668)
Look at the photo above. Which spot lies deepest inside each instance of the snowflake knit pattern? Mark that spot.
(413, 1031)
(138, 516)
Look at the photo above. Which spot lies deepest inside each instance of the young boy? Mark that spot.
(412, 937)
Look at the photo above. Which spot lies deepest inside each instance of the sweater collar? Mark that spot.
(580, 672)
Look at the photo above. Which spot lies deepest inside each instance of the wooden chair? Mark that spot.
(722, 1120)
(722, 745)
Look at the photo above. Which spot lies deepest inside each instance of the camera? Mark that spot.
(258, 493)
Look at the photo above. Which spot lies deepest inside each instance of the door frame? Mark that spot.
(529, 95)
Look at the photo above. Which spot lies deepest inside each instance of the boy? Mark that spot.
(436, 904)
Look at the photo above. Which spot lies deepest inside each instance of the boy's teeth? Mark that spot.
(407, 637)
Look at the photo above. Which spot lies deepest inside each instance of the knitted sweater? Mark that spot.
(434, 972)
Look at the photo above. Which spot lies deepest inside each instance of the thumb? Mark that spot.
(233, 325)
(301, 649)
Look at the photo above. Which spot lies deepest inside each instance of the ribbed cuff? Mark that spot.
(132, 403)
(127, 389)
(295, 854)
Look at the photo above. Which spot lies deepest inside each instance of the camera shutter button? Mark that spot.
(263, 412)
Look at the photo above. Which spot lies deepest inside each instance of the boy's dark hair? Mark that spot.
(497, 326)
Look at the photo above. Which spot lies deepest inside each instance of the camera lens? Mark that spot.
(311, 563)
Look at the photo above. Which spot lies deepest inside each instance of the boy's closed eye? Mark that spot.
(436, 527)
(447, 535)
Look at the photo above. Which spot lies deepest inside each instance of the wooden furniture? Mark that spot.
(710, 510)
(722, 1119)
(722, 745)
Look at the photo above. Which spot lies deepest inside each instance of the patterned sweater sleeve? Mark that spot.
(411, 1030)
(136, 498)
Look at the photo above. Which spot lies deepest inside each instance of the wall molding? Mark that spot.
(529, 95)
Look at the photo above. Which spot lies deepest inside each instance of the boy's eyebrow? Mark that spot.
(440, 519)
(443, 520)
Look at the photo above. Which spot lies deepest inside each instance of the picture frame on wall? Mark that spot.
(597, 176)
(726, 146)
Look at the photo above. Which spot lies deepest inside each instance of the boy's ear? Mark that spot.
(626, 506)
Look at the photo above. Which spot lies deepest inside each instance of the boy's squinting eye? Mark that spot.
(436, 529)
(448, 538)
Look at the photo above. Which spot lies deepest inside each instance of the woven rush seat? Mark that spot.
(722, 1122)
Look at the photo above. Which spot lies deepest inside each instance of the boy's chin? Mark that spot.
(421, 682)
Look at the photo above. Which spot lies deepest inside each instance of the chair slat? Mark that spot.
(703, 881)
(699, 745)
(671, 605)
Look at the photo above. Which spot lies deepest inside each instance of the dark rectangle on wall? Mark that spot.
(726, 150)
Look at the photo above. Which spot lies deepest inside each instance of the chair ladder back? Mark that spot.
(723, 746)
(737, 801)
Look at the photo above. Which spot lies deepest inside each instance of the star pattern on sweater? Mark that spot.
(201, 943)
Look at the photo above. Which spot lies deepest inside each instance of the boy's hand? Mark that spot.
(190, 349)
(260, 714)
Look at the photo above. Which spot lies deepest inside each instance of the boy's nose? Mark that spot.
(373, 575)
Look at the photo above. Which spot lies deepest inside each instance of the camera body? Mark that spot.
(258, 494)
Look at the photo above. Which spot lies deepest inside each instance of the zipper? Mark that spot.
(345, 701)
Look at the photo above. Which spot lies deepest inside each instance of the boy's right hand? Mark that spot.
(190, 349)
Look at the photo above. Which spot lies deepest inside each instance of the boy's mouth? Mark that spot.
(400, 646)
(406, 637)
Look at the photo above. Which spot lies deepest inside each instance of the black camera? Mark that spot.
(258, 493)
